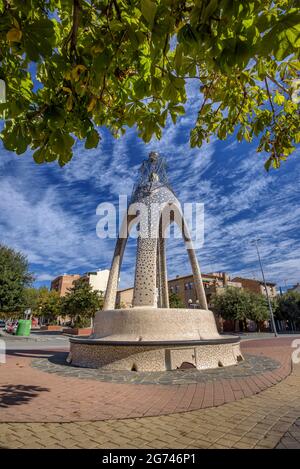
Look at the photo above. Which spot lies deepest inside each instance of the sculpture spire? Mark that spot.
(151, 336)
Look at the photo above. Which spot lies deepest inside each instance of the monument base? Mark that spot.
(151, 356)
(155, 339)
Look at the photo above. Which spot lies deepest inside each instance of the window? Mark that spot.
(191, 285)
(186, 286)
(176, 288)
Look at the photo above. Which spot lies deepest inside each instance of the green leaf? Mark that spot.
(55, 118)
(101, 61)
(148, 9)
(92, 139)
(39, 156)
(267, 164)
(209, 10)
(68, 140)
(297, 137)
(278, 98)
(284, 37)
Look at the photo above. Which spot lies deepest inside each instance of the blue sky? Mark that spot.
(49, 213)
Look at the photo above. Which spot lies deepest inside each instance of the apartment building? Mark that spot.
(183, 287)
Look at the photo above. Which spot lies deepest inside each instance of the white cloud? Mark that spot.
(49, 212)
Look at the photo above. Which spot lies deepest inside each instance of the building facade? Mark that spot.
(183, 287)
(97, 280)
(257, 286)
(63, 283)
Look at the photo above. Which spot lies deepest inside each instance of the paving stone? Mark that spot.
(265, 420)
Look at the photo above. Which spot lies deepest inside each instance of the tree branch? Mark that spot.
(117, 10)
(277, 84)
(206, 95)
(270, 101)
(74, 30)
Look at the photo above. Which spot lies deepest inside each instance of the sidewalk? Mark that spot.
(260, 420)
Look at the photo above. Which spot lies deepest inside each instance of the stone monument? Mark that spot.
(151, 336)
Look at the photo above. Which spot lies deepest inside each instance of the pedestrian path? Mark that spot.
(174, 419)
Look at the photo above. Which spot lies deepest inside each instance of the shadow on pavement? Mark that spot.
(18, 394)
(37, 353)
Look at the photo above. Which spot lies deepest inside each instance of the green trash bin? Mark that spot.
(24, 327)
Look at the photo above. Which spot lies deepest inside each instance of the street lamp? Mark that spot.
(193, 305)
(255, 241)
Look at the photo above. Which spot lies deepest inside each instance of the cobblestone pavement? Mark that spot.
(253, 365)
(291, 439)
(28, 394)
(258, 421)
(263, 420)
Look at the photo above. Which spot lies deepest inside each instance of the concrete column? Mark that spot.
(114, 274)
(195, 266)
(163, 274)
(158, 275)
(145, 273)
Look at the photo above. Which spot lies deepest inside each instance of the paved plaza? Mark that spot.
(47, 404)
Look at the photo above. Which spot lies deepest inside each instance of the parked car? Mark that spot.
(11, 327)
(2, 324)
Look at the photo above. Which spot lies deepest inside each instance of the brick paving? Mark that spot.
(40, 410)
(258, 421)
(291, 439)
(30, 395)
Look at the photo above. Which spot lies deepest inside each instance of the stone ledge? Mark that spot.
(159, 357)
(223, 340)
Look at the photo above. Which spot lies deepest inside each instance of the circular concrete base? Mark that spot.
(147, 324)
(155, 356)
(155, 339)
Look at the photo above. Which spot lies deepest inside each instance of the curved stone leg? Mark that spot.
(194, 264)
(113, 279)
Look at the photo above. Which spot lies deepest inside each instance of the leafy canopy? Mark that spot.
(81, 300)
(288, 306)
(72, 65)
(14, 278)
(48, 304)
(232, 303)
(175, 301)
(239, 304)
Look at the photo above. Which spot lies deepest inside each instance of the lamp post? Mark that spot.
(193, 305)
(255, 241)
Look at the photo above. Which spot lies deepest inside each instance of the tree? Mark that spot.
(233, 304)
(258, 309)
(81, 302)
(288, 307)
(14, 278)
(49, 305)
(239, 305)
(175, 301)
(70, 66)
(33, 298)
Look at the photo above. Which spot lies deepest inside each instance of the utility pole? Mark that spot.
(255, 241)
